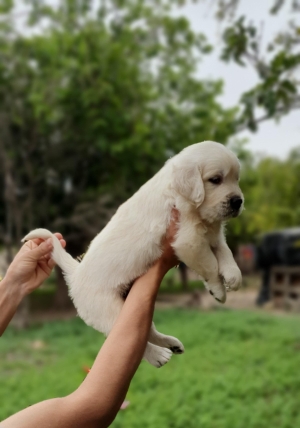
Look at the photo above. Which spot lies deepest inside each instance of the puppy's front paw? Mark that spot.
(217, 290)
(232, 278)
(156, 355)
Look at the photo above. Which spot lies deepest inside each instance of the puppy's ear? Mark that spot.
(187, 181)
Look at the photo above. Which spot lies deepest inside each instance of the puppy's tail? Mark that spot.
(59, 255)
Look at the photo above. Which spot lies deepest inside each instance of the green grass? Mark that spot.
(176, 287)
(172, 285)
(240, 370)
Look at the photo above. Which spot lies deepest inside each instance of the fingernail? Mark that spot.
(49, 242)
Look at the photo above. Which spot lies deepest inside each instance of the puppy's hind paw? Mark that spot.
(232, 280)
(156, 355)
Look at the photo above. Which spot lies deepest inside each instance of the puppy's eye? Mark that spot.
(215, 180)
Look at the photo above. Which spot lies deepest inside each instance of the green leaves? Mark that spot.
(238, 39)
(271, 189)
(277, 90)
(6, 6)
(98, 98)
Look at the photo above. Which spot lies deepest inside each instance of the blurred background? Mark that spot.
(95, 95)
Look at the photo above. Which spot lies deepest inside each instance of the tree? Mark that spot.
(277, 66)
(92, 102)
(271, 189)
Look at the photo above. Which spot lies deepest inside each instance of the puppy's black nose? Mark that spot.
(236, 203)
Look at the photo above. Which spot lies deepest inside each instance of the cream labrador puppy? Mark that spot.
(202, 183)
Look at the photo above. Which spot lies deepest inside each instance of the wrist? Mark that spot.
(161, 267)
(165, 264)
(13, 290)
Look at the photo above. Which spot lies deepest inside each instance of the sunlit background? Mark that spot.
(94, 97)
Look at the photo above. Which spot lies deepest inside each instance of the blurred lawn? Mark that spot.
(175, 286)
(240, 370)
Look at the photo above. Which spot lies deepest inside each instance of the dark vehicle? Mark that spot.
(278, 248)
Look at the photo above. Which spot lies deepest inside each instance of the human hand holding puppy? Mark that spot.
(98, 399)
(29, 269)
(168, 257)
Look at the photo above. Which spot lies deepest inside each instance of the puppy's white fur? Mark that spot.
(131, 241)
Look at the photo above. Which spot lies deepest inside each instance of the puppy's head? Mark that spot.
(207, 175)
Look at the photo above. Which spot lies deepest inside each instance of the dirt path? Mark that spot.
(243, 299)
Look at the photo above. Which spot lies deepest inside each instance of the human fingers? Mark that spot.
(30, 245)
(58, 235)
(42, 250)
(61, 239)
(173, 226)
(168, 257)
(175, 214)
(63, 243)
(37, 241)
(50, 261)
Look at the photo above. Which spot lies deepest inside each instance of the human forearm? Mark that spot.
(123, 350)
(66, 412)
(96, 402)
(10, 298)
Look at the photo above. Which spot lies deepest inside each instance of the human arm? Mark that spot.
(30, 267)
(96, 402)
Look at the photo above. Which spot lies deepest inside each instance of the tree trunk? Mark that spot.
(13, 219)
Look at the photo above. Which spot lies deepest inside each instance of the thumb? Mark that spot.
(43, 249)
